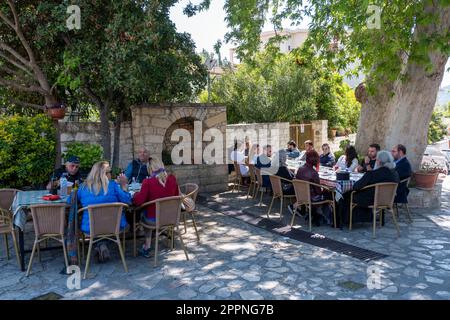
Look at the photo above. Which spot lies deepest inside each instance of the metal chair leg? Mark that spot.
(122, 256)
(281, 207)
(395, 222)
(66, 261)
(31, 257)
(195, 226)
(310, 217)
(5, 236)
(182, 243)
(156, 247)
(16, 248)
(270, 207)
(374, 213)
(88, 259)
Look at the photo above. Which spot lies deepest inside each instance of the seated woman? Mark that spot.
(308, 173)
(97, 189)
(384, 171)
(348, 161)
(327, 157)
(285, 173)
(159, 185)
(254, 153)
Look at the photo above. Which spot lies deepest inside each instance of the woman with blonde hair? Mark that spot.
(99, 188)
(159, 185)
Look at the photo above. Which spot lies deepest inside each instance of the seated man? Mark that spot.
(369, 161)
(138, 168)
(292, 150)
(238, 155)
(71, 169)
(403, 168)
(308, 147)
(264, 161)
(384, 171)
(327, 157)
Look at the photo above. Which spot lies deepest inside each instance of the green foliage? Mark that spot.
(412, 28)
(437, 129)
(349, 109)
(88, 153)
(27, 150)
(295, 87)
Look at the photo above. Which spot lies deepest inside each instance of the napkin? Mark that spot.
(51, 197)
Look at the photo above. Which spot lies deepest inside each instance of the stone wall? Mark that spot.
(320, 133)
(89, 132)
(152, 126)
(210, 178)
(275, 134)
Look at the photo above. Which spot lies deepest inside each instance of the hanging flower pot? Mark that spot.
(361, 93)
(56, 111)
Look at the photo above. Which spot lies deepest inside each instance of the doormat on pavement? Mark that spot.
(49, 296)
(295, 234)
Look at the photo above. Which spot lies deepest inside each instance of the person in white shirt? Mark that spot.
(348, 161)
(254, 153)
(238, 155)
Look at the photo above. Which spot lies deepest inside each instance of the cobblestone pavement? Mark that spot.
(235, 260)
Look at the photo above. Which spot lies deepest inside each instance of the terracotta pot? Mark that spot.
(56, 113)
(425, 181)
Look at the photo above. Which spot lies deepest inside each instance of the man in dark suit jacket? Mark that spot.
(383, 172)
(403, 168)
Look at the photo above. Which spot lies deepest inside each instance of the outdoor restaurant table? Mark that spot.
(22, 201)
(328, 178)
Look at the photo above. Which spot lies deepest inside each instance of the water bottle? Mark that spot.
(63, 183)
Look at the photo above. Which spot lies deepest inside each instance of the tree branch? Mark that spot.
(17, 55)
(19, 87)
(14, 12)
(8, 22)
(14, 73)
(26, 104)
(15, 63)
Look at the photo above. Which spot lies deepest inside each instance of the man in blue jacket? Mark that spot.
(138, 167)
(403, 168)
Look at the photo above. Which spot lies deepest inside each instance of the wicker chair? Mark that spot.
(278, 193)
(6, 220)
(303, 197)
(259, 185)
(396, 205)
(238, 177)
(49, 222)
(383, 200)
(190, 190)
(168, 212)
(104, 224)
(253, 182)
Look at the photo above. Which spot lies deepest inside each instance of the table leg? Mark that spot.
(22, 249)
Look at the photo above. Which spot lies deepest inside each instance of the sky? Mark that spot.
(209, 26)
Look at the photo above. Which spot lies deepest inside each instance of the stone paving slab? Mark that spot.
(235, 260)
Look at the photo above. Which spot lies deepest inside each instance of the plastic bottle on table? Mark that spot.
(63, 183)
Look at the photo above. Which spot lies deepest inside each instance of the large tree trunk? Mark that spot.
(400, 112)
(50, 101)
(105, 131)
(116, 152)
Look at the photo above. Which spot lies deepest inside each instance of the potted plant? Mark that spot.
(427, 175)
(56, 111)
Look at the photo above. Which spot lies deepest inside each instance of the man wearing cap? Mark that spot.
(71, 169)
(138, 167)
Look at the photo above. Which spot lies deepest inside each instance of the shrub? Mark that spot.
(88, 154)
(27, 150)
(437, 129)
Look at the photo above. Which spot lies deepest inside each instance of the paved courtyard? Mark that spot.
(236, 260)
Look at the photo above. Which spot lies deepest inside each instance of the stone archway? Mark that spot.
(152, 126)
